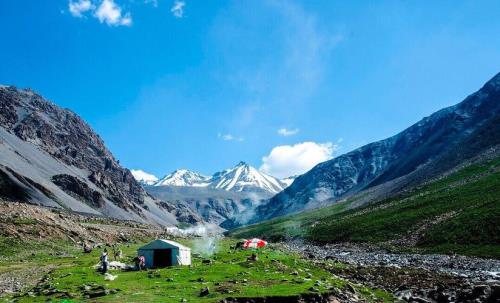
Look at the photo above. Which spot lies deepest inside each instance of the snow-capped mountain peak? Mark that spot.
(144, 177)
(183, 177)
(244, 177)
(240, 178)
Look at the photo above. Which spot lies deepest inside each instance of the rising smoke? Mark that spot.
(208, 236)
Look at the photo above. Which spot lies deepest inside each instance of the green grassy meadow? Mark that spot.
(230, 274)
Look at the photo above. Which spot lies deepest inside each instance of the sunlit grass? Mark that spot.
(276, 273)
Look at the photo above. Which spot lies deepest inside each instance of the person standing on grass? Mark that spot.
(104, 261)
(142, 262)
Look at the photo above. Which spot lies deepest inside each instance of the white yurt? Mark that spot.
(163, 253)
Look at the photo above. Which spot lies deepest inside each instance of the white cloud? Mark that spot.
(110, 13)
(229, 137)
(107, 12)
(287, 132)
(126, 20)
(143, 176)
(289, 160)
(79, 7)
(178, 9)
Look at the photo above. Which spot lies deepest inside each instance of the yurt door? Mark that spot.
(162, 257)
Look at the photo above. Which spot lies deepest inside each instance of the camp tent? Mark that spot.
(254, 243)
(162, 253)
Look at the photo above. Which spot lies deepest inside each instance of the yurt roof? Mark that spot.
(162, 243)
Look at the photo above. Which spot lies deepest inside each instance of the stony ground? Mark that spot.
(411, 277)
(16, 278)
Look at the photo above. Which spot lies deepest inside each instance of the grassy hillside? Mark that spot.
(73, 278)
(459, 214)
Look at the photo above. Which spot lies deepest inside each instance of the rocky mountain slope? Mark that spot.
(213, 205)
(428, 148)
(49, 156)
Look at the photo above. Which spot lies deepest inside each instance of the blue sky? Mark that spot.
(281, 85)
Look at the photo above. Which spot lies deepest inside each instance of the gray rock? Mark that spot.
(204, 292)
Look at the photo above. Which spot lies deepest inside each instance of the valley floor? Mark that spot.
(41, 259)
(293, 271)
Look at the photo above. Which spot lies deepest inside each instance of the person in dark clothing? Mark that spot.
(104, 261)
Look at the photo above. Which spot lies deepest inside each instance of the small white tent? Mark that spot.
(162, 253)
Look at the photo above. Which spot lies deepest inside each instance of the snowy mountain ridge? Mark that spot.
(244, 177)
(183, 177)
(143, 177)
(240, 178)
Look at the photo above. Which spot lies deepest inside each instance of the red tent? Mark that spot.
(254, 243)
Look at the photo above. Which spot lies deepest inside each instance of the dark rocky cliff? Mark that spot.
(84, 168)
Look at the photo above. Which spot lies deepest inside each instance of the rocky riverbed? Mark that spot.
(411, 277)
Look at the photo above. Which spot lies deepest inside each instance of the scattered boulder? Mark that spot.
(109, 277)
(253, 257)
(87, 249)
(94, 291)
(154, 274)
(350, 288)
(204, 292)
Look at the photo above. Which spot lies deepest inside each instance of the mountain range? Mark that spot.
(240, 178)
(223, 196)
(49, 156)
